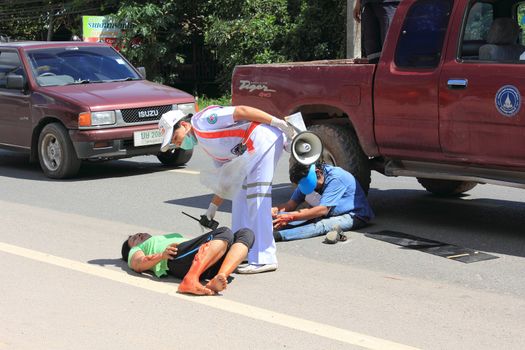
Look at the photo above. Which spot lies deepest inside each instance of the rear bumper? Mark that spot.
(110, 143)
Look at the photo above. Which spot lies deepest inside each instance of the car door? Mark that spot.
(482, 120)
(15, 109)
(406, 81)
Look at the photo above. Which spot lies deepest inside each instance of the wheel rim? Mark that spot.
(51, 152)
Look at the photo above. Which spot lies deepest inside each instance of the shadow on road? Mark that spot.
(280, 193)
(485, 224)
(124, 266)
(17, 165)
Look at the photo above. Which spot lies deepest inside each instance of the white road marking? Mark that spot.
(184, 171)
(276, 318)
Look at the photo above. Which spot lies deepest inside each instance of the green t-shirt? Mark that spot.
(156, 245)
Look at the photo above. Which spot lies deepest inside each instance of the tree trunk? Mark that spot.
(50, 28)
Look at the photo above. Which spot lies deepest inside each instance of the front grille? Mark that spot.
(144, 114)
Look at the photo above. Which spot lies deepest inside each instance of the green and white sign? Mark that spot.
(99, 28)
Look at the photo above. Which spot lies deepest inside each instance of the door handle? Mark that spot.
(457, 83)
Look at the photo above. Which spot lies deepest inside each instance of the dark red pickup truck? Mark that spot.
(64, 102)
(444, 103)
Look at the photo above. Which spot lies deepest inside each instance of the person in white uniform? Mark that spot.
(245, 144)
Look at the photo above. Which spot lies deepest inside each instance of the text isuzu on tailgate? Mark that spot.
(64, 102)
(444, 104)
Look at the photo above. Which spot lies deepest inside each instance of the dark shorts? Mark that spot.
(180, 266)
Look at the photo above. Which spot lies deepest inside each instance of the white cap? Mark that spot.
(166, 124)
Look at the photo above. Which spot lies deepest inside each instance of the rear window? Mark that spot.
(78, 65)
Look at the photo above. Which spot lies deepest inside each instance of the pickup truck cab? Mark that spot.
(64, 102)
(444, 103)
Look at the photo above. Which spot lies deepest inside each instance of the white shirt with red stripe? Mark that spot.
(218, 133)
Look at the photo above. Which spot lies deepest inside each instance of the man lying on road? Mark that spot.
(212, 256)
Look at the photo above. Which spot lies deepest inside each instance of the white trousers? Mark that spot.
(252, 206)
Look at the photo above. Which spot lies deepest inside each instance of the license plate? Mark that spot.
(147, 137)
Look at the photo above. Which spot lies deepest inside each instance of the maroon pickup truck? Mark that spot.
(64, 102)
(443, 105)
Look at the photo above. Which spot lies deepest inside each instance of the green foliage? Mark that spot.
(35, 20)
(271, 31)
(166, 35)
(253, 33)
(205, 101)
(521, 21)
(318, 30)
(143, 42)
(163, 29)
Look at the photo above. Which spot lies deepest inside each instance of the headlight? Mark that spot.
(96, 118)
(103, 118)
(186, 108)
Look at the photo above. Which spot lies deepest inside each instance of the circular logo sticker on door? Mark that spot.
(508, 100)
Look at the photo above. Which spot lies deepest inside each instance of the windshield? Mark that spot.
(79, 65)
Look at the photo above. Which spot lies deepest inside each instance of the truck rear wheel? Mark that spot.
(341, 148)
(56, 153)
(446, 187)
(175, 157)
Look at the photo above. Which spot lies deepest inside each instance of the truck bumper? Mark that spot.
(110, 143)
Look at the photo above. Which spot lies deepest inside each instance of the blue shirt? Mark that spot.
(341, 193)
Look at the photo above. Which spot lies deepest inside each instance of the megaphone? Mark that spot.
(307, 147)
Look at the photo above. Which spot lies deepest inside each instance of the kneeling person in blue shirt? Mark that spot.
(335, 199)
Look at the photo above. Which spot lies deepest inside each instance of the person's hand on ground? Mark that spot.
(275, 211)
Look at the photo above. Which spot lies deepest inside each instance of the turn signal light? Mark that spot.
(84, 119)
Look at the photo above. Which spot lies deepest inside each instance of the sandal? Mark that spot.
(334, 236)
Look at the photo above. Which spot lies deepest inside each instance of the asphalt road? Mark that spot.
(64, 287)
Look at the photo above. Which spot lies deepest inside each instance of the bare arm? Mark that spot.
(311, 213)
(282, 220)
(256, 115)
(141, 262)
(217, 200)
(357, 10)
(251, 114)
(288, 206)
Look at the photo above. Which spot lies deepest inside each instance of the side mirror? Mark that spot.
(142, 71)
(15, 82)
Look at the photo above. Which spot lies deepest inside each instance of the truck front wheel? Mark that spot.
(175, 157)
(56, 153)
(446, 187)
(341, 148)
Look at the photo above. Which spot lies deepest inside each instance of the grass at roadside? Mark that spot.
(205, 101)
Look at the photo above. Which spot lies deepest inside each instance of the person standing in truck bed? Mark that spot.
(375, 17)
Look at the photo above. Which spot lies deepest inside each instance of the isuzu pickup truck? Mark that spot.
(65, 102)
(443, 104)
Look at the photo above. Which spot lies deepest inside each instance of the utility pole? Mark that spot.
(50, 28)
(353, 32)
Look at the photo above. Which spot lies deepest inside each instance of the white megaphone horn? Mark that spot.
(307, 147)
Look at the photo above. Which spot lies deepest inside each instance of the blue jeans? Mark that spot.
(321, 227)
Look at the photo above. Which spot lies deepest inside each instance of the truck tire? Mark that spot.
(446, 188)
(56, 153)
(175, 157)
(341, 148)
